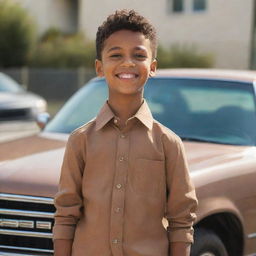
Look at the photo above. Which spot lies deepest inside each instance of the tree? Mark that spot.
(16, 35)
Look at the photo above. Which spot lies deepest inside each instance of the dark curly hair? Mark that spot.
(125, 19)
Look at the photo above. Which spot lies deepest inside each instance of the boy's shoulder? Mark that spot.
(166, 133)
(82, 130)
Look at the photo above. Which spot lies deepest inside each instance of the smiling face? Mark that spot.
(126, 62)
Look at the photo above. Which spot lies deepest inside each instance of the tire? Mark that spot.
(207, 243)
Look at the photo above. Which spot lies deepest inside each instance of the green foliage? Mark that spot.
(16, 35)
(63, 51)
(51, 34)
(183, 57)
(59, 50)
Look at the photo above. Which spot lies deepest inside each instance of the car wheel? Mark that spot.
(207, 243)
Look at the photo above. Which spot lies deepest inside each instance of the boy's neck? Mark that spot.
(125, 106)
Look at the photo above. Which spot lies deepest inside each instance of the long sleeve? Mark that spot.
(68, 200)
(181, 198)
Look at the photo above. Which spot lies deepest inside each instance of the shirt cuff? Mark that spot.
(181, 235)
(63, 232)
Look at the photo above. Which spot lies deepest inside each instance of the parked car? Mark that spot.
(17, 103)
(213, 111)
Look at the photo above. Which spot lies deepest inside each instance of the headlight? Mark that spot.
(41, 105)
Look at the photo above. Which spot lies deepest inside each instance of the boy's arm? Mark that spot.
(62, 247)
(68, 200)
(180, 249)
(181, 200)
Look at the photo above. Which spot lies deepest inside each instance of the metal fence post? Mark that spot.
(25, 77)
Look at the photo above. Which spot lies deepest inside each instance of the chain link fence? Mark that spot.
(52, 84)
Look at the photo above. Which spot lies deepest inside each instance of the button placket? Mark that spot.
(118, 196)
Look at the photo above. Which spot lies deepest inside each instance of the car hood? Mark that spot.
(202, 155)
(33, 168)
(18, 100)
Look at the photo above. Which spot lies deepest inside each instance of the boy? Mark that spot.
(123, 171)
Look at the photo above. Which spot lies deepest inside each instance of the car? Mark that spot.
(214, 113)
(16, 103)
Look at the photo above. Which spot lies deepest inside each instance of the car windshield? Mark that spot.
(7, 84)
(196, 109)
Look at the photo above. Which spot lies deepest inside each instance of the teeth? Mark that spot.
(126, 76)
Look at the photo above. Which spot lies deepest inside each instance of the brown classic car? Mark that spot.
(213, 111)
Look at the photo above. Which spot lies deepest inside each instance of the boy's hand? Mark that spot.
(180, 249)
(62, 247)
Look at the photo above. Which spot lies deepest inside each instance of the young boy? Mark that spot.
(123, 171)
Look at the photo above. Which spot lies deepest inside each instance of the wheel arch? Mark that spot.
(223, 218)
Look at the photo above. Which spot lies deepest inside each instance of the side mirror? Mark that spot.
(42, 119)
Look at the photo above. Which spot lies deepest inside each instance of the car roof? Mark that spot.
(223, 74)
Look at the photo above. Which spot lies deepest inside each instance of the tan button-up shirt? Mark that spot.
(117, 185)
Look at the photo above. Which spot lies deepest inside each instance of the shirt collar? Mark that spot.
(104, 116)
(143, 115)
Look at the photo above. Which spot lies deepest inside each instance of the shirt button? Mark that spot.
(115, 241)
(122, 136)
(117, 209)
(115, 121)
(118, 186)
(121, 158)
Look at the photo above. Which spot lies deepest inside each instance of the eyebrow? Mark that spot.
(114, 48)
(119, 48)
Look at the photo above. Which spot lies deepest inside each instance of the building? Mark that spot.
(224, 28)
(62, 14)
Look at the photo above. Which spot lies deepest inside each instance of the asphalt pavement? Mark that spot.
(17, 129)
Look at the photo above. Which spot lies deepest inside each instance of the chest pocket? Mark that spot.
(147, 176)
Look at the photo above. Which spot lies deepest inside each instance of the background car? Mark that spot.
(213, 112)
(17, 103)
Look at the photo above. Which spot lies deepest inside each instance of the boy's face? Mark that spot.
(126, 62)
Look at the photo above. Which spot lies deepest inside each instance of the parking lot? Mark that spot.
(16, 129)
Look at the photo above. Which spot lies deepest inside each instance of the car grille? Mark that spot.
(26, 225)
(9, 114)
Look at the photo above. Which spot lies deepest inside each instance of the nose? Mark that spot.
(128, 62)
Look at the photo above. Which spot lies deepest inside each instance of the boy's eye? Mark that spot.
(116, 55)
(140, 56)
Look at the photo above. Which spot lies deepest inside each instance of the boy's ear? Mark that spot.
(99, 68)
(153, 67)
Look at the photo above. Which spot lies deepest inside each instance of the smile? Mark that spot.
(127, 75)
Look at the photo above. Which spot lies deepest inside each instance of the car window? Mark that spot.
(196, 100)
(196, 109)
(81, 108)
(7, 84)
(206, 110)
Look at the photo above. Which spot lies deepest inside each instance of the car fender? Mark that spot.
(215, 205)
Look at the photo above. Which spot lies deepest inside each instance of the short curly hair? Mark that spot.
(125, 19)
